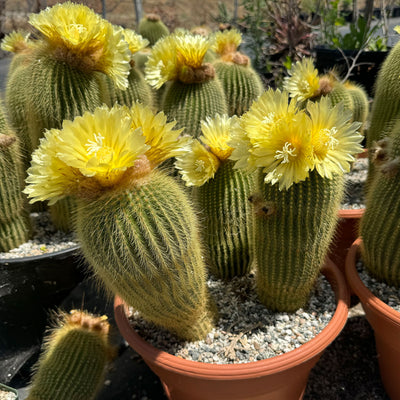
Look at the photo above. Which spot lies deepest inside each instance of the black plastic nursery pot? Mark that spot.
(367, 65)
(29, 288)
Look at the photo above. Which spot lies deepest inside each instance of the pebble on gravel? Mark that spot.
(246, 330)
(7, 395)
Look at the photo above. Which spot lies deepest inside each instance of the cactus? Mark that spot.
(72, 365)
(221, 194)
(63, 76)
(138, 89)
(300, 156)
(240, 81)
(379, 228)
(139, 244)
(15, 224)
(193, 92)
(152, 28)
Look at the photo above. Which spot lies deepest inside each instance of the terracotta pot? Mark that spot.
(282, 377)
(385, 322)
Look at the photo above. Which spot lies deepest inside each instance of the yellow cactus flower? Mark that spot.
(173, 55)
(196, 165)
(216, 135)
(135, 41)
(80, 33)
(303, 82)
(90, 154)
(227, 41)
(15, 41)
(288, 143)
(164, 142)
(334, 139)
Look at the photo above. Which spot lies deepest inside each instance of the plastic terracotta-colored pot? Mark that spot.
(29, 287)
(7, 389)
(282, 377)
(384, 320)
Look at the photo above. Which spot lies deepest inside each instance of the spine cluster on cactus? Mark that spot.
(379, 227)
(72, 365)
(15, 225)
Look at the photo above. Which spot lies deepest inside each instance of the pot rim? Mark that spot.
(364, 294)
(28, 259)
(251, 369)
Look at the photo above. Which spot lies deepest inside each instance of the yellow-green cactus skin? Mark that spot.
(380, 229)
(15, 224)
(152, 28)
(72, 365)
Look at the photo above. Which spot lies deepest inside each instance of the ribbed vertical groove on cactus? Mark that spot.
(144, 245)
(360, 103)
(152, 28)
(241, 85)
(190, 103)
(228, 220)
(380, 229)
(138, 90)
(73, 364)
(293, 231)
(15, 224)
(340, 93)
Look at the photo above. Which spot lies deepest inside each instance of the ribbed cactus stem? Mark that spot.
(73, 364)
(15, 224)
(152, 28)
(143, 244)
(227, 220)
(360, 102)
(138, 90)
(241, 85)
(190, 103)
(293, 231)
(380, 229)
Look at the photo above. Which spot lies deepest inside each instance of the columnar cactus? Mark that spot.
(72, 365)
(300, 156)
(221, 193)
(136, 226)
(380, 229)
(15, 225)
(194, 91)
(304, 83)
(240, 81)
(138, 89)
(62, 79)
(152, 28)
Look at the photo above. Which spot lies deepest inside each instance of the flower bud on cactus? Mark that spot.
(73, 363)
(380, 229)
(139, 243)
(152, 28)
(15, 224)
(300, 156)
(240, 81)
(221, 194)
(194, 92)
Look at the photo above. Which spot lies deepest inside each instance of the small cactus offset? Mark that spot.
(138, 89)
(72, 365)
(304, 83)
(379, 228)
(152, 28)
(139, 244)
(240, 81)
(194, 92)
(300, 156)
(221, 194)
(15, 224)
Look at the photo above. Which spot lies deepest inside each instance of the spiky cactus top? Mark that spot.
(380, 228)
(240, 81)
(72, 365)
(304, 83)
(221, 193)
(300, 155)
(135, 223)
(152, 28)
(194, 92)
(138, 89)
(18, 43)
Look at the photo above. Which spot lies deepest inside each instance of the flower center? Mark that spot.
(286, 152)
(103, 153)
(199, 165)
(75, 32)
